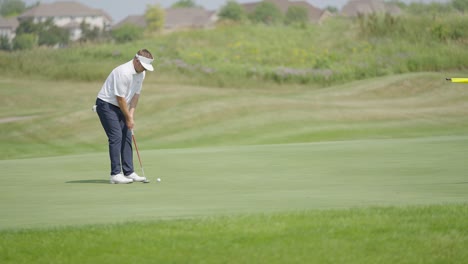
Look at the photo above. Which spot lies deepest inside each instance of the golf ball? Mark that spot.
(158, 179)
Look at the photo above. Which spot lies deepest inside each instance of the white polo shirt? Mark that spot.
(123, 81)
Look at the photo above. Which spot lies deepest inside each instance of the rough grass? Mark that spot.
(338, 51)
(426, 234)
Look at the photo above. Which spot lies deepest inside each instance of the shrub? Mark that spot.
(379, 25)
(4, 43)
(296, 15)
(25, 41)
(127, 33)
(232, 11)
(47, 33)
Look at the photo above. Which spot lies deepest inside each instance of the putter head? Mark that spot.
(146, 181)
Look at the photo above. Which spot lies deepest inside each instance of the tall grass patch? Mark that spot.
(337, 51)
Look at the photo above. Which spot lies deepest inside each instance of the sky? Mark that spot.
(118, 10)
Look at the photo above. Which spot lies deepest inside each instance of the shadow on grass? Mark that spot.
(90, 181)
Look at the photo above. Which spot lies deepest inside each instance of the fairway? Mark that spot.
(74, 190)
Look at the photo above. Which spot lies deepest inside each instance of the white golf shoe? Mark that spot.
(120, 179)
(135, 177)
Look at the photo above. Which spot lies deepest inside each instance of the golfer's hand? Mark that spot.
(130, 123)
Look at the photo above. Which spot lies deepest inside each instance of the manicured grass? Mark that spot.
(74, 190)
(422, 234)
(177, 116)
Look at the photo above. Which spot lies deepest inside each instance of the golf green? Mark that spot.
(74, 190)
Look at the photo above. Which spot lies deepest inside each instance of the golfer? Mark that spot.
(115, 106)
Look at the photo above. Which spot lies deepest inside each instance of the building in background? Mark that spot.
(8, 28)
(365, 7)
(135, 20)
(69, 15)
(178, 19)
(184, 18)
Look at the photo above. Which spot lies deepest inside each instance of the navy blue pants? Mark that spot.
(120, 137)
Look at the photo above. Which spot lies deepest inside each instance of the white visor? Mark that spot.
(146, 62)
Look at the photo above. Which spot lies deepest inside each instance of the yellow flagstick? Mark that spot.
(457, 80)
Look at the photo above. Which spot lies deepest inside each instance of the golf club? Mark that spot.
(457, 80)
(139, 159)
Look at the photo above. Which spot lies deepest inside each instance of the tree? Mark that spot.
(461, 5)
(27, 27)
(296, 15)
(332, 9)
(266, 13)
(184, 3)
(155, 18)
(88, 33)
(11, 7)
(232, 11)
(50, 34)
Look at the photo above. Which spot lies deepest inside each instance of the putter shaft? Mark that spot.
(139, 158)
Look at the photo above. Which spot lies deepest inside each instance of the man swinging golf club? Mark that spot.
(115, 106)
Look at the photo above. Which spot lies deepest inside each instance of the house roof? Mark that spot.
(314, 12)
(62, 8)
(175, 18)
(188, 17)
(137, 20)
(10, 23)
(356, 7)
(283, 5)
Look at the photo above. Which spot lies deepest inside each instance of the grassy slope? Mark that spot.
(173, 116)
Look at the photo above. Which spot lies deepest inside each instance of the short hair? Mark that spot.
(145, 53)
